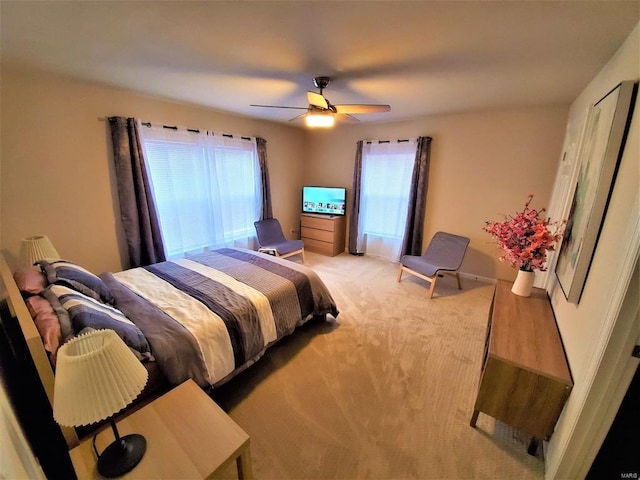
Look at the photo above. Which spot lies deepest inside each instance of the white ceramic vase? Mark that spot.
(524, 283)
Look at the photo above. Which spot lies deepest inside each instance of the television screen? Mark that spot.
(324, 200)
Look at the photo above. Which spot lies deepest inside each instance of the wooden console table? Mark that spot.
(525, 379)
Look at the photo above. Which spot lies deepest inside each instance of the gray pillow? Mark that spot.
(63, 272)
(86, 312)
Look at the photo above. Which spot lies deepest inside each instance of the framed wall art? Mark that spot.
(600, 153)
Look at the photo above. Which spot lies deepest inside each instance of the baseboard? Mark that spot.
(473, 276)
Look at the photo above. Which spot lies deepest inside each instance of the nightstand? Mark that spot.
(188, 436)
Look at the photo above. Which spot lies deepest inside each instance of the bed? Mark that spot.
(206, 317)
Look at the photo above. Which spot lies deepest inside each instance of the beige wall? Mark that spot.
(57, 173)
(483, 164)
(597, 332)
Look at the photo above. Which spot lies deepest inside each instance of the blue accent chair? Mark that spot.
(272, 241)
(443, 255)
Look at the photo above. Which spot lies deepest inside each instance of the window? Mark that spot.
(387, 168)
(207, 188)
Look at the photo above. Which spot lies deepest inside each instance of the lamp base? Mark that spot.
(122, 455)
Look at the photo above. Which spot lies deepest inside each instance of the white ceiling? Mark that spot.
(421, 57)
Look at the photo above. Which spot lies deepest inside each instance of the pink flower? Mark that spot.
(526, 238)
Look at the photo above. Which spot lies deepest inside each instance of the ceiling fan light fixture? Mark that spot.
(320, 113)
(320, 120)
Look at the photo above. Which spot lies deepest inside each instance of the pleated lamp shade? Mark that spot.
(96, 376)
(37, 247)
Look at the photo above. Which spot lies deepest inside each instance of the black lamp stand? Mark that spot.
(121, 455)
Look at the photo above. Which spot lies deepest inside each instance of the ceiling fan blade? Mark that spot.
(302, 115)
(359, 109)
(317, 100)
(279, 106)
(346, 118)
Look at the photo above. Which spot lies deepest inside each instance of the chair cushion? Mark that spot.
(420, 265)
(269, 232)
(270, 235)
(288, 246)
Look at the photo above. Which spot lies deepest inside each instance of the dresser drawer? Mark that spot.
(318, 223)
(318, 246)
(316, 234)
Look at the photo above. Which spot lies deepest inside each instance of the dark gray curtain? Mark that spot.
(412, 242)
(138, 213)
(355, 204)
(267, 211)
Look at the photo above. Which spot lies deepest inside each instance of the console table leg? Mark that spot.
(533, 446)
(474, 418)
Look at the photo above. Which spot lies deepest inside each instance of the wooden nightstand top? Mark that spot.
(188, 436)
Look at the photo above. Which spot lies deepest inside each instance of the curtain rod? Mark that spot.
(369, 142)
(193, 130)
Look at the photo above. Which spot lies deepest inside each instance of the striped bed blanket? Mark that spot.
(210, 315)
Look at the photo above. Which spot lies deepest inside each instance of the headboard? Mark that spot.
(19, 310)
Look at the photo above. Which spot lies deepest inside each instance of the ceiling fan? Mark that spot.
(322, 113)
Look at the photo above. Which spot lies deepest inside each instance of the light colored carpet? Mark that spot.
(384, 392)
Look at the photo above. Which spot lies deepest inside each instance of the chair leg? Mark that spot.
(433, 285)
(290, 254)
(399, 273)
(458, 278)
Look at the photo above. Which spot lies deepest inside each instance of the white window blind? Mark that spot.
(387, 168)
(207, 188)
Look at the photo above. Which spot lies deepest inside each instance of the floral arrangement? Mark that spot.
(526, 237)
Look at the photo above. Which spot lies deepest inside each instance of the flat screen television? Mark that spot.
(324, 200)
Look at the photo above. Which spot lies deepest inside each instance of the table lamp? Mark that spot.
(36, 247)
(96, 377)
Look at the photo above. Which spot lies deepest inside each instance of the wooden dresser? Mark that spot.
(525, 379)
(323, 234)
